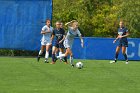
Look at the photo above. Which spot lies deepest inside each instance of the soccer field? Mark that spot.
(25, 75)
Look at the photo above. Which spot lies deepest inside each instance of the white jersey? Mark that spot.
(46, 38)
(71, 34)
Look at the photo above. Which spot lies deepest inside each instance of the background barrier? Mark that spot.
(103, 48)
(21, 22)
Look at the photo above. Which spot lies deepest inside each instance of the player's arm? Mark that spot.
(52, 37)
(81, 38)
(62, 39)
(82, 41)
(70, 23)
(116, 39)
(127, 34)
(45, 32)
(63, 36)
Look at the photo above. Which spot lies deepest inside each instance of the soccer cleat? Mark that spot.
(66, 62)
(112, 61)
(52, 63)
(61, 60)
(55, 59)
(126, 62)
(46, 61)
(38, 58)
(72, 65)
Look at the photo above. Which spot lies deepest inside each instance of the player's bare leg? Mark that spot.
(54, 49)
(124, 54)
(47, 53)
(40, 52)
(116, 54)
(60, 53)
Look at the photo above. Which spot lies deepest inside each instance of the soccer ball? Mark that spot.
(79, 65)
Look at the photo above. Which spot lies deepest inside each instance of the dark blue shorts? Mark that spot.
(58, 45)
(124, 44)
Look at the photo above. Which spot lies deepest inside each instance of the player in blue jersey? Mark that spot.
(122, 42)
(68, 42)
(62, 50)
(46, 40)
(59, 34)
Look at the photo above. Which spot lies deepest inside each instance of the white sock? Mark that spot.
(47, 55)
(61, 56)
(40, 52)
(56, 54)
(60, 53)
(71, 60)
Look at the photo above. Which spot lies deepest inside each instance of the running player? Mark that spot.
(122, 42)
(62, 49)
(46, 40)
(58, 42)
(68, 42)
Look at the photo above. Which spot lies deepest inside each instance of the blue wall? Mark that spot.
(21, 22)
(103, 48)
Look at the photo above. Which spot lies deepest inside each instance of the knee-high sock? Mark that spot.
(65, 58)
(61, 56)
(47, 55)
(53, 57)
(125, 56)
(60, 53)
(116, 56)
(40, 53)
(71, 60)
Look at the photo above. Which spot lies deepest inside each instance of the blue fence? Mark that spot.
(103, 48)
(21, 22)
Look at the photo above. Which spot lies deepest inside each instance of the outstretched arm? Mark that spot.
(82, 41)
(70, 23)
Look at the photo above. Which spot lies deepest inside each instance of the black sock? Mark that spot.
(53, 57)
(125, 56)
(116, 56)
(65, 59)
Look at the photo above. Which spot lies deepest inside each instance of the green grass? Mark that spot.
(25, 75)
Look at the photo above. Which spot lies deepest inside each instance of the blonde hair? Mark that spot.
(75, 22)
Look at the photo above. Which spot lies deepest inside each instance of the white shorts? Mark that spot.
(46, 42)
(68, 44)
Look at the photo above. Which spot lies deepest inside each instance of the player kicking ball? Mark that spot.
(46, 40)
(122, 42)
(68, 42)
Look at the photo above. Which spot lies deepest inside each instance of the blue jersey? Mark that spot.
(122, 31)
(59, 33)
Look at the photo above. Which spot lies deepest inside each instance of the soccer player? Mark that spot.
(62, 49)
(59, 33)
(122, 42)
(46, 40)
(68, 42)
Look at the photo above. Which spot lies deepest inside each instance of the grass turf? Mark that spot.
(25, 75)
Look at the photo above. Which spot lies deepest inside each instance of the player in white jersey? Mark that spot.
(46, 40)
(68, 42)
